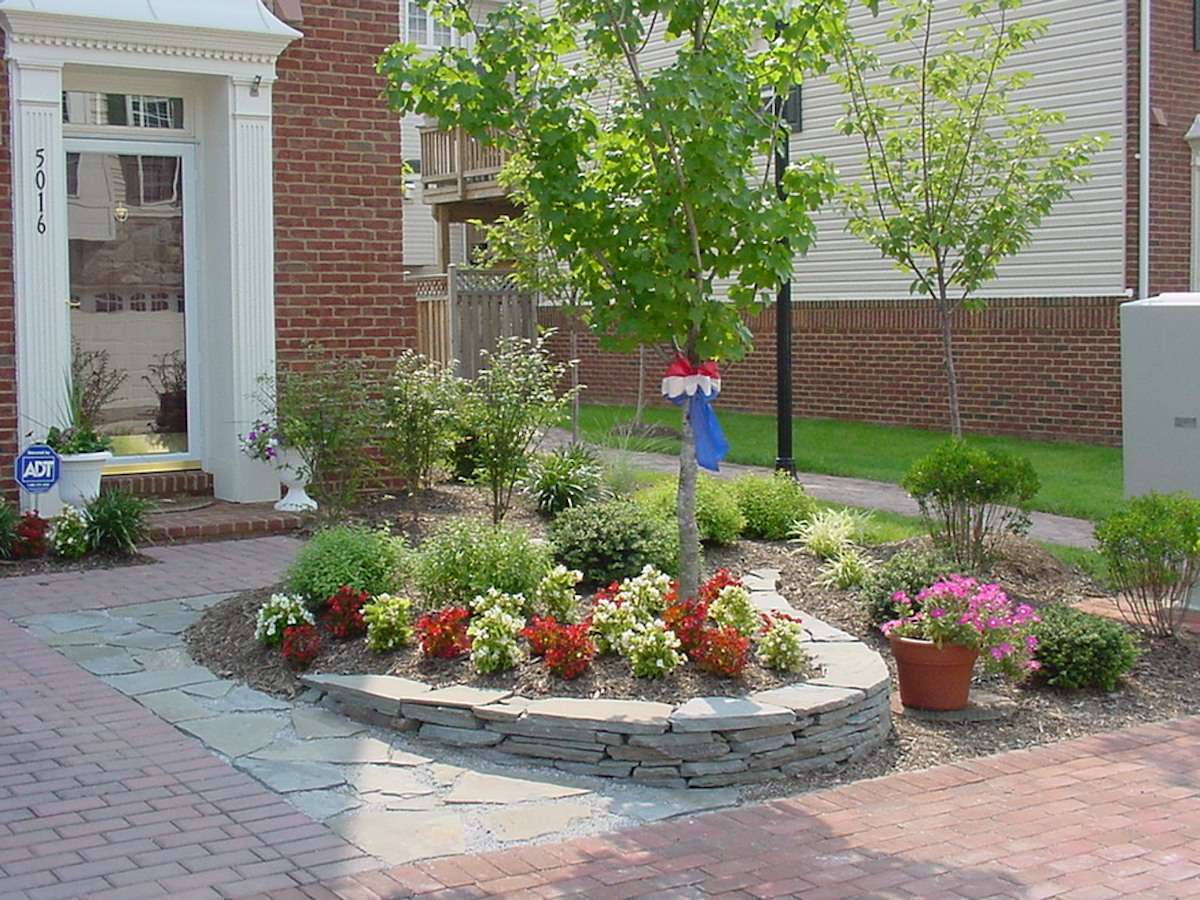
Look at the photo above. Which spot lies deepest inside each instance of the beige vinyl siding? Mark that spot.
(1078, 68)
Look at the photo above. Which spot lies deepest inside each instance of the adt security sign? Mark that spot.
(38, 469)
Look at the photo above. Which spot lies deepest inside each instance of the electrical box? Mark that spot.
(1160, 394)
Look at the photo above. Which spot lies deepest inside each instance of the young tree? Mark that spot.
(958, 173)
(663, 196)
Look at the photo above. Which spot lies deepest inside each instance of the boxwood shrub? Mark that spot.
(1080, 650)
(772, 505)
(347, 555)
(614, 539)
(717, 513)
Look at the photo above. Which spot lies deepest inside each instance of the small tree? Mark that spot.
(418, 407)
(656, 200)
(507, 407)
(958, 175)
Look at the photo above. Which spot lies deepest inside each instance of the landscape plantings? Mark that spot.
(718, 515)
(651, 649)
(301, 645)
(612, 540)
(343, 613)
(389, 622)
(31, 539)
(365, 559)
(68, 533)
(555, 594)
(781, 646)
(463, 558)
(848, 569)
(972, 497)
(1152, 549)
(829, 532)
(9, 520)
(443, 634)
(116, 523)
(570, 651)
(772, 505)
(1079, 650)
(733, 609)
(722, 651)
(493, 634)
(418, 408)
(907, 572)
(276, 615)
(566, 477)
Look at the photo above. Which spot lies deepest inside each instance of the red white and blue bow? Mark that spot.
(702, 385)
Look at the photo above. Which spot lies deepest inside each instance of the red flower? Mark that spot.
(32, 540)
(541, 633)
(712, 588)
(721, 651)
(687, 618)
(444, 633)
(343, 614)
(301, 644)
(570, 651)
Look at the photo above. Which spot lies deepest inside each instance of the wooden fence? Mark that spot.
(466, 311)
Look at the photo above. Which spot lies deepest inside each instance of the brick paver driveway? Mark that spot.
(99, 797)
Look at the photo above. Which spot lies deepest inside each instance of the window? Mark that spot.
(151, 180)
(87, 108)
(793, 110)
(424, 30)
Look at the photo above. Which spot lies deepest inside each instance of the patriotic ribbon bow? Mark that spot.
(702, 385)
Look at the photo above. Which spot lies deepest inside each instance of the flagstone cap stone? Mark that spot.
(850, 665)
(622, 716)
(383, 693)
(809, 699)
(728, 714)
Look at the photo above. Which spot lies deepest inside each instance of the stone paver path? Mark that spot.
(857, 492)
(1114, 815)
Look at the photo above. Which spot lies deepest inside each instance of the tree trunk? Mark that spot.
(947, 312)
(575, 401)
(640, 408)
(685, 508)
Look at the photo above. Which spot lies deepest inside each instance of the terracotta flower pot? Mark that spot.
(933, 677)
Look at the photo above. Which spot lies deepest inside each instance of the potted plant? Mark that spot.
(168, 380)
(942, 633)
(84, 453)
(266, 442)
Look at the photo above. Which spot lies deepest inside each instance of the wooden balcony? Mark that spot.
(457, 168)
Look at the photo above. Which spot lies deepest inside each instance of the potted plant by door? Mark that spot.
(266, 442)
(946, 628)
(84, 454)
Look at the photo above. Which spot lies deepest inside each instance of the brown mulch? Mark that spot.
(224, 641)
(52, 565)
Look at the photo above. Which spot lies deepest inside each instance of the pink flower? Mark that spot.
(1031, 642)
(937, 613)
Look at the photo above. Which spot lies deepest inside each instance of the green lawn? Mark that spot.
(1077, 479)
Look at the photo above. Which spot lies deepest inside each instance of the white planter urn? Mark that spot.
(79, 481)
(289, 465)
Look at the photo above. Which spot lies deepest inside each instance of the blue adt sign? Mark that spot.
(37, 469)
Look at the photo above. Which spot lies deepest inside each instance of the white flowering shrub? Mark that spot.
(647, 591)
(781, 646)
(651, 649)
(389, 622)
(68, 533)
(555, 594)
(611, 621)
(734, 609)
(493, 598)
(493, 635)
(278, 613)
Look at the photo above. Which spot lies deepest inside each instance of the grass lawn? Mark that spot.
(1077, 479)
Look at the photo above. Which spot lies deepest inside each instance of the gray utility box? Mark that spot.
(1160, 393)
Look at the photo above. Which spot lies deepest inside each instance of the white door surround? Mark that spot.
(221, 54)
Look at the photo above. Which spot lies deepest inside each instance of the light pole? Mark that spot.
(783, 319)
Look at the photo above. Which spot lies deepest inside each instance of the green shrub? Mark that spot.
(971, 497)
(116, 522)
(418, 405)
(389, 622)
(1079, 650)
(717, 514)
(772, 505)
(910, 571)
(1152, 548)
(849, 569)
(613, 540)
(829, 532)
(9, 519)
(465, 557)
(347, 555)
(569, 476)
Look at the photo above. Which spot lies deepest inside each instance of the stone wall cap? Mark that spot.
(624, 716)
(727, 714)
(461, 696)
(806, 699)
(387, 687)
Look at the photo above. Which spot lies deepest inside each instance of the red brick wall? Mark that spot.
(339, 191)
(8, 349)
(1047, 369)
(1175, 74)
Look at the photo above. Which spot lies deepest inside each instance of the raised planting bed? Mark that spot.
(838, 714)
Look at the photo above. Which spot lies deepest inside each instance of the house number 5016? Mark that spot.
(39, 183)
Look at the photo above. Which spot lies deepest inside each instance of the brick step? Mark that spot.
(192, 482)
(221, 520)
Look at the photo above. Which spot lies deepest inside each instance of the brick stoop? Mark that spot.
(221, 520)
(192, 483)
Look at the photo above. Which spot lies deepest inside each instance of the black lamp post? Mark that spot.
(783, 321)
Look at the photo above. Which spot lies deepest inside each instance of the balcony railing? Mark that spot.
(456, 166)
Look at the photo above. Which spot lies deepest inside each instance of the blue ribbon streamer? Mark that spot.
(711, 445)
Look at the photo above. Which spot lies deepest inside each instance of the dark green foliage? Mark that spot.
(465, 557)
(347, 556)
(908, 570)
(612, 540)
(9, 519)
(569, 476)
(970, 497)
(1080, 650)
(772, 505)
(1152, 548)
(717, 513)
(116, 522)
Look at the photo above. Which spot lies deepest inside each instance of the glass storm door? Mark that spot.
(128, 260)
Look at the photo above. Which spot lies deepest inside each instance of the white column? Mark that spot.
(40, 261)
(243, 340)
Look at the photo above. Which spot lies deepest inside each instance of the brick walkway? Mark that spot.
(1114, 815)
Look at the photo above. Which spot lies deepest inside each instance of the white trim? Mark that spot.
(1193, 139)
